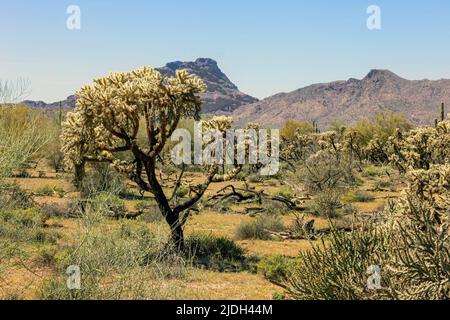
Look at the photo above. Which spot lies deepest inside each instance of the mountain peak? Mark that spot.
(381, 74)
(205, 63)
(222, 95)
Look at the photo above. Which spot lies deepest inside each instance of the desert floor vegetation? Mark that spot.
(102, 194)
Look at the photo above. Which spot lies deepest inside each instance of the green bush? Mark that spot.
(260, 228)
(217, 253)
(182, 192)
(102, 179)
(25, 225)
(109, 205)
(23, 134)
(327, 203)
(12, 196)
(276, 268)
(373, 171)
(46, 255)
(285, 192)
(324, 171)
(50, 191)
(358, 196)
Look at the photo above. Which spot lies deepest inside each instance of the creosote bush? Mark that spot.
(358, 196)
(216, 253)
(260, 228)
(276, 268)
(25, 225)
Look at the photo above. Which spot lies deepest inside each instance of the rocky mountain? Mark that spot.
(351, 100)
(69, 103)
(221, 96)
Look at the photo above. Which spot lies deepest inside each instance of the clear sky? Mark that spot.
(265, 47)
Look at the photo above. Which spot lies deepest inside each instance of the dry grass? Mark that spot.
(22, 282)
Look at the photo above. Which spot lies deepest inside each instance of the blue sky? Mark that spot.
(265, 47)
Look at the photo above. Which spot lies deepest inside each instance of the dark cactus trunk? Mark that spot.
(79, 175)
(171, 217)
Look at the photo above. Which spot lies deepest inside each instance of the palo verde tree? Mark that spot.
(108, 117)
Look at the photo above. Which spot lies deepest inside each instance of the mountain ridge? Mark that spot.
(351, 100)
(222, 95)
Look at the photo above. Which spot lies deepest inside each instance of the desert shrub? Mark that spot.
(55, 159)
(384, 184)
(128, 263)
(12, 196)
(327, 203)
(338, 270)
(274, 208)
(241, 176)
(109, 205)
(410, 244)
(102, 205)
(217, 253)
(260, 228)
(324, 171)
(50, 191)
(22, 138)
(46, 255)
(276, 268)
(372, 171)
(51, 210)
(102, 179)
(25, 225)
(381, 126)
(254, 178)
(358, 196)
(292, 128)
(182, 192)
(285, 192)
(150, 212)
(53, 153)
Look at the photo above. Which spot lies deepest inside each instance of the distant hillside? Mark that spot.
(351, 100)
(222, 95)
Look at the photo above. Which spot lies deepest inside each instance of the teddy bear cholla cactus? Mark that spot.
(420, 148)
(114, 109)
(420, 252)
(220, 125)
